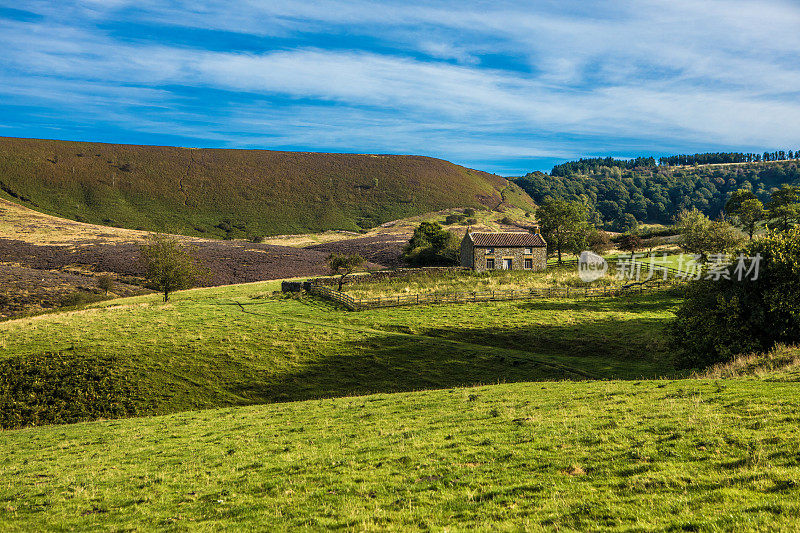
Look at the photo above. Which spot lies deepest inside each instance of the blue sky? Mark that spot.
(506, 87)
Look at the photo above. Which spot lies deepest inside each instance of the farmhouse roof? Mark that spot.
(511, 239)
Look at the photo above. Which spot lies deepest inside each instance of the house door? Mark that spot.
(506, 264)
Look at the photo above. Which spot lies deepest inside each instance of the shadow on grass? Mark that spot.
(397, 363)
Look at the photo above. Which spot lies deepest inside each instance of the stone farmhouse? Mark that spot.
(504, 251)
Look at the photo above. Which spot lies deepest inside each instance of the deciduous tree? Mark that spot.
(344, 265)
(564, 225)
(169, 268)
(701, 236)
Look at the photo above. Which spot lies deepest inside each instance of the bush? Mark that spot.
(62, 388)
(721, 319)
(453, 219)
(431, 245)
(77, 298)
(471, 221)
(469, 212)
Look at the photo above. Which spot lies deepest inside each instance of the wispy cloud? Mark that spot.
(480, 83)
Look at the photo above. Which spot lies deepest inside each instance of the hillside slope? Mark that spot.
(658, 193)
(236, 193)
(686, 455)
(241, 344)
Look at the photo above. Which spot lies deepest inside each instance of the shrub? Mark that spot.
(453, 219)
(469, 212)
(77, 298)
(64, 387)
(431, 245)
(721, 319)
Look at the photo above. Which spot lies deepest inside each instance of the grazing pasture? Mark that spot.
(667, 455)
(241, 344)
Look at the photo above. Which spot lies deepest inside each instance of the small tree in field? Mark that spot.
(344, 265)
(564, 224)
(169, 268)
(702, 236)
(105, 283)
(630, 242)
(598, 241)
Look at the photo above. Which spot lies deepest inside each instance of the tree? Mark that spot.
(598, 241)
(784, 206)
(734, 203)
(168, 267)
(564, 225)
(701, 236)
(630, 242)
(719, 319)
(749, 214)
(105, 283)
(746, 209)
(431, 245)
(344, 265)
(628, 223)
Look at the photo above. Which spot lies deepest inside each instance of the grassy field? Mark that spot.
(241, 345)
(685, 455)
(237, 193)
(446, 283)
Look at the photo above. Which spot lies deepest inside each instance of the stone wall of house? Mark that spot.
(466, 252)
(516, 254)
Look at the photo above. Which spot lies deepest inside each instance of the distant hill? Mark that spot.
(624, 192)
(237, 193)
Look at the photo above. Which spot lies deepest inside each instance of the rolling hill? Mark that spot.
(656, 194)
(241, 345)
(237, 193)
(683, 455)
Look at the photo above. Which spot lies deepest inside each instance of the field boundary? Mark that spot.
(359, 304)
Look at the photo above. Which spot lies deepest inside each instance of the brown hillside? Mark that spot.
(236, 193)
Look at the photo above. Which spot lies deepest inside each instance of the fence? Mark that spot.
(356, 304)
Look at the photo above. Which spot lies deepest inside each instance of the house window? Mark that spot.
(507, 264)
(528, 263)
(490, 263)
(528, 250)
(489, 251)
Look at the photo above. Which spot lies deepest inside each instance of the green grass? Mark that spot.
(687, 455)
(240, 345)
(246, 192)
(497, 280)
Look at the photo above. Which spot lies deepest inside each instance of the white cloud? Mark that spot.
(661, 72)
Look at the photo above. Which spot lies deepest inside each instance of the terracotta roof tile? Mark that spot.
(516, 238)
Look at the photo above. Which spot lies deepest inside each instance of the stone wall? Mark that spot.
(517, 256)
